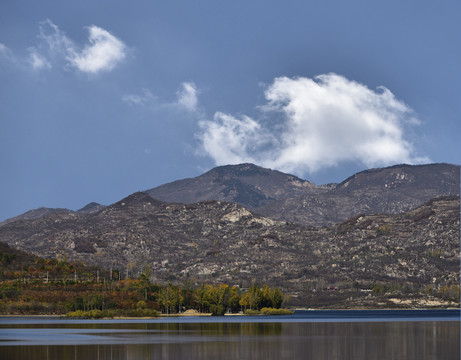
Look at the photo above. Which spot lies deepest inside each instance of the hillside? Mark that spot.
(223, 242)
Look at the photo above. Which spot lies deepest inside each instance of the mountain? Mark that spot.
(217, 241)
(35, 214)
(395, 228)
(286, 197)
(247, 184)
(90, 208)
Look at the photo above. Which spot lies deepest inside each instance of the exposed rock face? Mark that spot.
(224, 242)
(285, 197)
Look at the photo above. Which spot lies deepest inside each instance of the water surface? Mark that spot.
(306, 335)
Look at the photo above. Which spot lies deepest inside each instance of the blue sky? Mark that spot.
(99, 99)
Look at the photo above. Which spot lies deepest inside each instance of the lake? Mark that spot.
(378, 334)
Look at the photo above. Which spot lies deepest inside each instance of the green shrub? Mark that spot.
(272, 311)
(252, 312)
(100, 314)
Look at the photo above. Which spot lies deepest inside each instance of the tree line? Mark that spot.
(58, 287)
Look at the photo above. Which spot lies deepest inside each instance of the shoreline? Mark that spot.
(197, 314)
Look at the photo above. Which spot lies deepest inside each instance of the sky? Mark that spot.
(100, 99)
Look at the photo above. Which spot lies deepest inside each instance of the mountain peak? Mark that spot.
(135, 199)
(247, 184)
(91, 208)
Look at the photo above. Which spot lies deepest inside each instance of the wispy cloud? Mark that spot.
(6, 53)
(310, 124)
(102, 52)
(3, 49)
(186, 99)
(145, 98)
(187, 96)
(37, 60)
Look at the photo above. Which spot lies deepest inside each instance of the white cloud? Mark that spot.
(230, 140)
(309, 124)
(103, 52)
(187, 96)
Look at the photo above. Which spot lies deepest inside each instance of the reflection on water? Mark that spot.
(282, 340)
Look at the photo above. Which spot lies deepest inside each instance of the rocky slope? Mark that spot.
(218, 241)
(286, 197)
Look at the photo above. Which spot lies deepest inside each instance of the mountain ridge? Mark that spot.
(282, 196)
(287, 197)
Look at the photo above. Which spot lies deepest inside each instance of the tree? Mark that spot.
(266, 296)
(145, 275)
(233, 300)
(170, 298)
(200, 298)
(277, 298)
(254, 297)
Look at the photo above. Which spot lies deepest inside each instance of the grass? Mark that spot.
(101, 314)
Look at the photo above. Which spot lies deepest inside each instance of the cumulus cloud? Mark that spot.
(187, 96)
(102, 53)
(310, 124)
